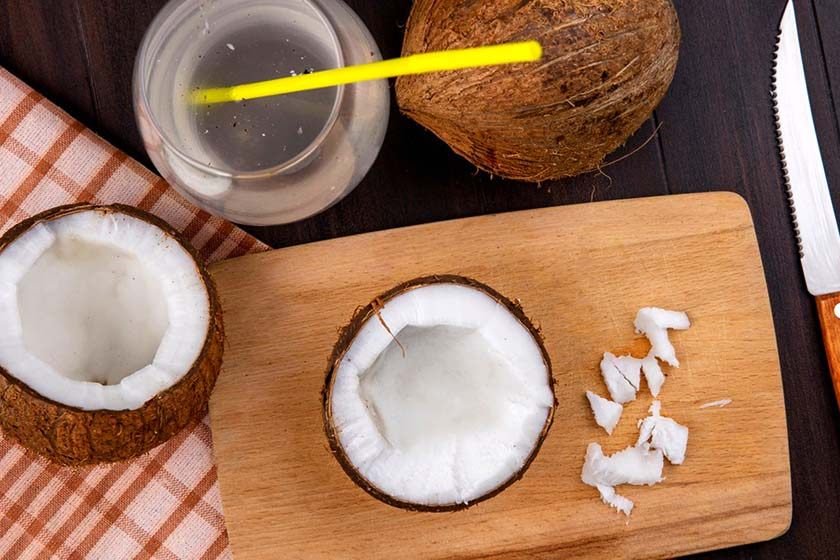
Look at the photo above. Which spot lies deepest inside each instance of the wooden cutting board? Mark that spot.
(581, 272)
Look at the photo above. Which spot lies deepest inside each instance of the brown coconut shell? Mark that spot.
(71, 436)
(346, 336)
(606, 65)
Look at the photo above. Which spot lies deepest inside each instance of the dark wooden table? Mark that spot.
(716, 134)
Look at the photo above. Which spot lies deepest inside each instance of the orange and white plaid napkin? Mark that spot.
(165, 504)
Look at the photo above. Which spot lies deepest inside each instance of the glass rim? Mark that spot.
(142, 72)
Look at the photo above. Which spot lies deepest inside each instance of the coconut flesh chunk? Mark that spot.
(444, 406)
(622, 376)
(654, 323)
(607, 413)
(100, 310)
(653, 374)
(633, 465)
(665, 434)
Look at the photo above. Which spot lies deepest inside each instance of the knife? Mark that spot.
(813, 213)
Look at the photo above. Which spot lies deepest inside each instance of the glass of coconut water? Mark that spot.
(263, 161)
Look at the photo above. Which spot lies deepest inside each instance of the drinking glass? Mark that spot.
(269, 170)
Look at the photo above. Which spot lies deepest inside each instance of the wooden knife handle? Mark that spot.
(828, 307)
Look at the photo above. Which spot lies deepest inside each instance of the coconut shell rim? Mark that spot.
(214, 334)
(347, 335)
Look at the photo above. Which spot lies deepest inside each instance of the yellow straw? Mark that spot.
(509, 53)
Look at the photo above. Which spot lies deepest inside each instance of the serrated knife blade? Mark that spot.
(813, 212)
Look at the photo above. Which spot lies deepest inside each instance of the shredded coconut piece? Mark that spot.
(622, 376)
(633, 465)
(654, 323)
(653, 374)
(720, 404)
(607, 413)
(664, 434)
(611, 498)
(631, 369)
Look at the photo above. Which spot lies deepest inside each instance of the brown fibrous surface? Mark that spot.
(606, 65)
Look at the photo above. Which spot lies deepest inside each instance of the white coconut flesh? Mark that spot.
(654, 323)
(100, 310)
(607, 413)
(448, 405)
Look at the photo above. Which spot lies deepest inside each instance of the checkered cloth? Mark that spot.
(165, 504)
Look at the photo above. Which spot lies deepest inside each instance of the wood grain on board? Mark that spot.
(581, 272)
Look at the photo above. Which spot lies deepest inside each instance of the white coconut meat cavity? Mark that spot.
(439, 395)
(103, 311)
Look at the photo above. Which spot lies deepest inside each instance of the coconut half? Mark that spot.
(111, 333)
(438, 395)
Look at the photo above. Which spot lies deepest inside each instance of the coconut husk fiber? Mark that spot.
(606, 65)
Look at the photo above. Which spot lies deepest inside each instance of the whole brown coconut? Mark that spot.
(72, 436)
(606, 65)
